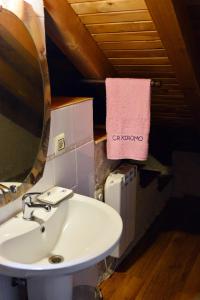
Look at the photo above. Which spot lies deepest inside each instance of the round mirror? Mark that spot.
(22, 105)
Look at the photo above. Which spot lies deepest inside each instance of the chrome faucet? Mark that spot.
(5, 189)
(29, 206)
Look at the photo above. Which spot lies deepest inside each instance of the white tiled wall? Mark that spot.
(83, 123)
(85, 169)
(62, 122)
(65, 169)
(47, 180)
(74, 168)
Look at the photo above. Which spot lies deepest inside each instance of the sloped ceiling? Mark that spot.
(128, 37)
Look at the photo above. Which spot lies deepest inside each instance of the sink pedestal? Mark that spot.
(50, 288)
(7, 291)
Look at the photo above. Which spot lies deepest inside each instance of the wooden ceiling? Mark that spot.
(130, 39)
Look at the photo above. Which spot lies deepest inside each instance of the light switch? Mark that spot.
(59, 143)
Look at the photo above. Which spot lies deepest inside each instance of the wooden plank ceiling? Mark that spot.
(126, 34)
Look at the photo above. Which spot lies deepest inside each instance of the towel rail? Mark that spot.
(154, 83)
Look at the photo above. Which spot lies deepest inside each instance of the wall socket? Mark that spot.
(59, 143)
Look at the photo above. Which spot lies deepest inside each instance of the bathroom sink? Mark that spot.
(77, 234)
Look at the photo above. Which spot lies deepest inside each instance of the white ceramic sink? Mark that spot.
(81, 230)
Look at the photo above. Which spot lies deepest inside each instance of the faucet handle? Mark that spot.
(27, 199)
(28, 206)
(13, 188)
(6, 189)
(29, 195)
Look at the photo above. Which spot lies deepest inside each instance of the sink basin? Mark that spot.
(81, 230)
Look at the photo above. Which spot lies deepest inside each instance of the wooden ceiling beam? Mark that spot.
(172, 23)
(70, 35)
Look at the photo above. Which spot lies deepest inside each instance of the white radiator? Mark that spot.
(120, 193)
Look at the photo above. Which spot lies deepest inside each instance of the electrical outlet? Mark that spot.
(59, 143)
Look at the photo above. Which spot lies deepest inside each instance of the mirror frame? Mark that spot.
(39, 164)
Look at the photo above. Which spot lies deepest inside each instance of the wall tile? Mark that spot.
(65, 169)
(47, 180)
(83, 122)
(85, 169)
(63, 123)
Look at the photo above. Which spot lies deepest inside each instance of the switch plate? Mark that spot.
(59, 143)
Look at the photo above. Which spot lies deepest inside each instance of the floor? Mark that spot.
(165, 265)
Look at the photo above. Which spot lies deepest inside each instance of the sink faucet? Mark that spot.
(5, 189)
(29, 206)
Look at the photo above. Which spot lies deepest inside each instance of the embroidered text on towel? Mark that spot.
(131, 138)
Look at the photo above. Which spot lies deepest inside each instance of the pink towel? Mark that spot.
(128, 118)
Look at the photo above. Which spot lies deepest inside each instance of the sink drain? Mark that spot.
(56, 259)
